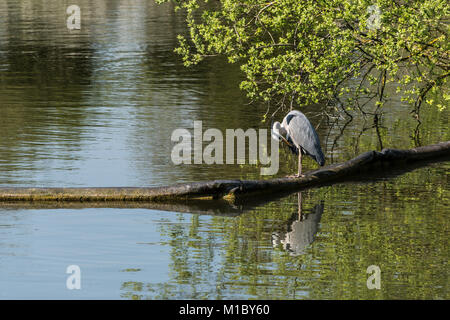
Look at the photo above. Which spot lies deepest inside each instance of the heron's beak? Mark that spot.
(285, 141)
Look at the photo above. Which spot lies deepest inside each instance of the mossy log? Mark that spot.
(235, 189)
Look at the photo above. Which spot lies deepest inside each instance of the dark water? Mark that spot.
(97, 107)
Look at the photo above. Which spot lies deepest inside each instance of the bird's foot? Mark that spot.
(298, 175)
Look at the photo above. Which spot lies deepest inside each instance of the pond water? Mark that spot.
(97, 107)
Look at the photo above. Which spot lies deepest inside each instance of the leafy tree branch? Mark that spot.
(312, 51)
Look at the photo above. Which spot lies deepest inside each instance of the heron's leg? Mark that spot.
(300, 216)
(299, 174)
(299, 163)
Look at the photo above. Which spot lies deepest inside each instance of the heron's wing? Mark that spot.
(292, 146)
(303, 135)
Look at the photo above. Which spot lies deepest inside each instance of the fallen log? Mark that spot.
(232, 190)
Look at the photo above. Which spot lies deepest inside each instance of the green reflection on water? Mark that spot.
(400, 225)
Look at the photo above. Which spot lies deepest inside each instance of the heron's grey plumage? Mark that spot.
(303, 135)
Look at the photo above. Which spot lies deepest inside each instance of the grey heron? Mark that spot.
(298, 133)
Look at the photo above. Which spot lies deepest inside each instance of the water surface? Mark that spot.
(97, 106)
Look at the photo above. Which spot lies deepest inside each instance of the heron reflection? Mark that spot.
(301, 229)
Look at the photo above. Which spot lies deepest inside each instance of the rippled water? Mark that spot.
(97, 106)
